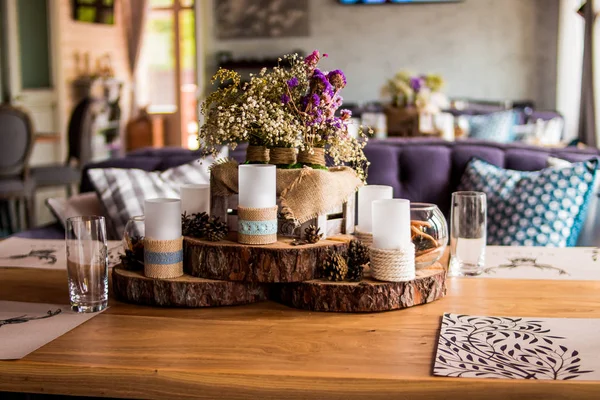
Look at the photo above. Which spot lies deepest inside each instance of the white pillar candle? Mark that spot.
(163, 218)
(391, 223)
(195, 198)
(257, 186)
(366, 195)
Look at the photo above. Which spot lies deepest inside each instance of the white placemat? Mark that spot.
(45, 254)
(25, 327)
(568, 263)
(518, 348)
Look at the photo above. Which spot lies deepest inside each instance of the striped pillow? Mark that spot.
(123, 191)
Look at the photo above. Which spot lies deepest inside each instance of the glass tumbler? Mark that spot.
(87, 263)
(468, 215)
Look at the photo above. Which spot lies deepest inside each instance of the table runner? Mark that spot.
(45, 254)
(25, 327)
(566, 263)
(518, 348)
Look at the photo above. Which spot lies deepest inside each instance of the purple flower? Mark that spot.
(285, 98)
(345, 115)
(313, 59)
(293, 82)
(337, 79)
(319, 83)
(416, 83)
(315, 100)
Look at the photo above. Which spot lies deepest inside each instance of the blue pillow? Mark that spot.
(533, 208)
(496, 127)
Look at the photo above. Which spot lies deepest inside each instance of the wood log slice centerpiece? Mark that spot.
(185, 291)
(275, 263)
(369, 295)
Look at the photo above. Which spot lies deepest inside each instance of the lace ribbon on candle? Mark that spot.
(257, 225)
(365, 237)
(393, 265)
(163, 259)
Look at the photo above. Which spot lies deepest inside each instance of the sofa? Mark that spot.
(419, 169)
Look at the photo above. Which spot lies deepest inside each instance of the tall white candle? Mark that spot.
(366, 196)
(163, 218)
(195, 198)
(391, 223)
(257, 186)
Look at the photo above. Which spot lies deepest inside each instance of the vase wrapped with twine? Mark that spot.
(257, 154)
(282, 156)
(314, 157)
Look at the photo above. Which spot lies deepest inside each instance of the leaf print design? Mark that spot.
(501, 347)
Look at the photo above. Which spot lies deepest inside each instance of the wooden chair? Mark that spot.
(17, 188)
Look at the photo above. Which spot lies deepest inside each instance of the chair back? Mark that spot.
(80, 132)
(16, 141)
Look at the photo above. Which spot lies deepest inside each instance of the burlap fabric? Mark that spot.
(393, 265)
(303, 193)
(163, 259)
(257, 225)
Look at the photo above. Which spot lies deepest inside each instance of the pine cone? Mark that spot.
(216, 229)
(355, 272)
(335, 267)
(130, 262)
(312, 234)
(358, 253)
(194, 225)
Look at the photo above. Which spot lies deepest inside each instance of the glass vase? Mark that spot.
(429, 233)
(282, 157)
(133, 237)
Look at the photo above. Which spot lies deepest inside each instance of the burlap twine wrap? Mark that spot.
(163, 259)
(303, 193)
(282, 155)
(257, 154)
(393, 265)
(257, 225)
(365, 237)
(316, 157)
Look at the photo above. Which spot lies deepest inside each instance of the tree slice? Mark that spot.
(185, 291)
(277, 262)
(369, 295)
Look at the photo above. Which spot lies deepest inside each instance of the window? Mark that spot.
(166, 79)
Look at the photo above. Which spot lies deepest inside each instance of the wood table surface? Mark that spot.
(270, 351)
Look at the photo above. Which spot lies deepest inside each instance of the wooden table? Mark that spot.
(271, 351)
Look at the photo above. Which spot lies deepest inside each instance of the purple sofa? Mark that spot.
(424, 170)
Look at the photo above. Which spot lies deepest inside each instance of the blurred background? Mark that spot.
(100, 78)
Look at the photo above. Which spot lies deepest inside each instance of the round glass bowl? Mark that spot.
(133, 237)
(429, 232)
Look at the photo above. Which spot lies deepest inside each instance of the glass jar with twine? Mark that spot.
(257, 154)
(312, 157)
(282, 157)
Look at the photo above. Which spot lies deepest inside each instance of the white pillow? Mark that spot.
(123, 191)
(78, 205)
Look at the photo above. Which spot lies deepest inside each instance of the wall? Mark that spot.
(97, 40)
(485, 49)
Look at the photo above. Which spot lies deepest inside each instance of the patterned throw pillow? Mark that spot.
(496, 127)
(123, 191)
(538, 208)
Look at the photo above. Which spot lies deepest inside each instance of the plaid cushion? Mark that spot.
(123, 191)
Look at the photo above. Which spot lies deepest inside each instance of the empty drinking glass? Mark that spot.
(87, 263)
(468, 216)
